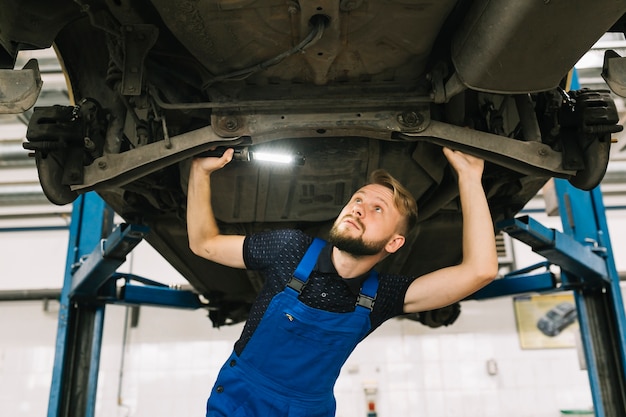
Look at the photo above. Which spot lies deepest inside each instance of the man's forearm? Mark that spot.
(201, 223)
(479, 245)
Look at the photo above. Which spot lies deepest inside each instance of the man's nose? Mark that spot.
(357, 210)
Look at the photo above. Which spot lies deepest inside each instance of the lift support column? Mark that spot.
(95, 251)
(79, 332)
(584, 254)
(599, 302)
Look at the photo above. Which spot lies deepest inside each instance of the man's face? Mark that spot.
(367, 223)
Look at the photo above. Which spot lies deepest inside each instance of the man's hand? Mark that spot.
(464, 164)
(211, 164)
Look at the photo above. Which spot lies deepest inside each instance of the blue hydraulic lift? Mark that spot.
(95, 250)
(582, 251)
(584, 254)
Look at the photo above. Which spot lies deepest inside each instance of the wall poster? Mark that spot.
(546, 321)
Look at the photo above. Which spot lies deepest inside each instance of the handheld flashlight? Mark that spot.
(245, 154)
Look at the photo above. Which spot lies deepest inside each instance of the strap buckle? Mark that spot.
(365, 301)
(296, 285)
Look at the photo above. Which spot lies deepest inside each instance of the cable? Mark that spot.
(313, 36)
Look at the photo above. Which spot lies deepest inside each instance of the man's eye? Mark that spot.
(358, 200)
(378, 209)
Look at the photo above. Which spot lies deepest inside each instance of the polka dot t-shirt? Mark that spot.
(276, 255)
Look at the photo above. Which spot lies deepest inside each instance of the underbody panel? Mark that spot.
(349, 86)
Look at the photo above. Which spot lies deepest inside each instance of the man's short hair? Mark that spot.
(402, 199)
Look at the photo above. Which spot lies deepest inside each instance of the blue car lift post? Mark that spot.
(583, 253)
(95, 250)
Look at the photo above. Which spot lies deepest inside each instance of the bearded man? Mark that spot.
(321, 298)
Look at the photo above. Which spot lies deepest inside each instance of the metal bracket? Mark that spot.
(19, 89)
(614, 72)
(138, 39)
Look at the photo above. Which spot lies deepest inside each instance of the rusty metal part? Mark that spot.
(115, 170)
(529, 158)
(379, 124)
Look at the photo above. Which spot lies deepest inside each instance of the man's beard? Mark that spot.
(355, 246)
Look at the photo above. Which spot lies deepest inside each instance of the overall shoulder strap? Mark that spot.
(306, 265)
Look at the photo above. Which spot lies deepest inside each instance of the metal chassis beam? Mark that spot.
(115, 170)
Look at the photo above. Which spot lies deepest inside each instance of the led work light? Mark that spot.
(246, 154)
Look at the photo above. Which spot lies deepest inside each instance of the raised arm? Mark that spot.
(480, 260)
(205, 239)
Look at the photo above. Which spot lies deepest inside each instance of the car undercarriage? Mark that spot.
(351, 86)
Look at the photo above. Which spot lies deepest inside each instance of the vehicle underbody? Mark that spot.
(350, 85)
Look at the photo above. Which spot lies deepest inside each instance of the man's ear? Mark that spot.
(395, 243)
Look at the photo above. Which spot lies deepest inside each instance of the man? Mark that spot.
(319, 300)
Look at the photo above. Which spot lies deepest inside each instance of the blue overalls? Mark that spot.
(290, 364)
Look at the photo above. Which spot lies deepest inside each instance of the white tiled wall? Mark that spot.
(170, 360)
